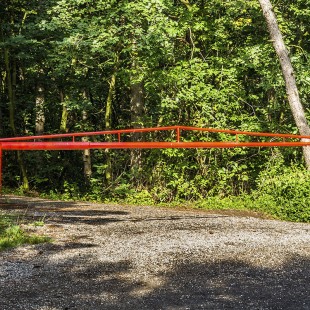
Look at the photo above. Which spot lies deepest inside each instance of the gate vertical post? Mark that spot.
(178, 134)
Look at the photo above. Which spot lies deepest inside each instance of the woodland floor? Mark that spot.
(121, 257)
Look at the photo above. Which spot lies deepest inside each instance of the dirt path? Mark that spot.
(116, 257)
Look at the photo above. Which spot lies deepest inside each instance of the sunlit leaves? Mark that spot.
(207, 64)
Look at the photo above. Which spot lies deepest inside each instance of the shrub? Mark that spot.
(284, 193)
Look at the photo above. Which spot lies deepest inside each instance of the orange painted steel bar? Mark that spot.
(67, 146)
(92, 133)
(177, 129)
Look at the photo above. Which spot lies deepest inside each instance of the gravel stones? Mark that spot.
(121, 257)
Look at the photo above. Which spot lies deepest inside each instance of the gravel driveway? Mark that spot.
(120, 257)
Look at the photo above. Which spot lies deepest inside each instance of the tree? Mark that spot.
(94, 65)
(14, 16)
(288, 74)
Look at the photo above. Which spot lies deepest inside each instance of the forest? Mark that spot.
(84, 65)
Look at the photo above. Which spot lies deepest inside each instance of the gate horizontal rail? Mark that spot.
(177, 129)
(67, 146)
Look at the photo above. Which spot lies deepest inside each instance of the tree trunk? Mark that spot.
(137, 109)
(2, 95)
(40, 116)
(288, 74)
(187, 4)
(11, 73)
(86, 153)
(64, 114)
(137, 105)
(108, 110)
(1, 121)
(10, 89)
(108, 123)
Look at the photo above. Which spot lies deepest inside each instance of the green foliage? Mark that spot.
(208, 64)
(282, 192)
(286, 192)
(241, 203)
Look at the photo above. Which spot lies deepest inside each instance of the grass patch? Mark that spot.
(12, 235)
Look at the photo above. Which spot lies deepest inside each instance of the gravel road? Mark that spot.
(121, 257)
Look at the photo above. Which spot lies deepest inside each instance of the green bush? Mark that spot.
(284, 193)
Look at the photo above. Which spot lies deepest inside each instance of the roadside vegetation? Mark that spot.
(12, 235)
(280, 192)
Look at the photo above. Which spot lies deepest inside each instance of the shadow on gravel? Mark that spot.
(228, 284)
(54, 206)
(60, 212)
(47, 282)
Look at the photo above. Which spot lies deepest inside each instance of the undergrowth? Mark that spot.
(282, 192)
(269, 202)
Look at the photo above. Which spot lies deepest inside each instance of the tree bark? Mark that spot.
(187, 4)
(10, 89)
(2, 95)
(64, 113)
(11, 73)
(137, 105)
(137, 109)
(40, 115)
(108, 124)
(288, 74)
(86, 155)
(1, 122)
(109, 103)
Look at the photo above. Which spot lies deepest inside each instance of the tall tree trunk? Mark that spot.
(137, 105)
(10, 89)
(137, 109)
(40, 115)
(64, 113)
(109, 104)
(1, 120)
(86, 153)
(2, 96)
(288, 73)
(108, 124)
(11, 74)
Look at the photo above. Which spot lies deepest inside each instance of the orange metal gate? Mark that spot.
(176, 140)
